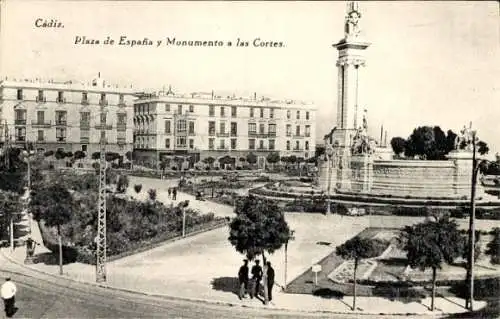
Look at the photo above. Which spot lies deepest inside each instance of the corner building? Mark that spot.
(66, 115)
(205, 125)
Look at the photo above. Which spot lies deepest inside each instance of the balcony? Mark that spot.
(85, 102)
(121, 127)
(121, 104)
(258, 135)
(262, 148)
(41, 99)
(40, 139)
(211, 133)
(288, 134)
(168, 132)
(192, 133)
(103, 102)
(308, 135)
(20, 122)
(20, 138)
(234, 133)
(121, 140)
(211, 147)
(61, 139)
(104, 127)
(41, 124)
(61, 100)
(298, 136)
(61, 123)
(221, 148)
(223, 134)
(298, 149)
(85, 126)
(84, 139)
(271, 134)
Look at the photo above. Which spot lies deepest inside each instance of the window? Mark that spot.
(261, 128)
(271, 113)
(308, 130)
(297, 145)
(122, 119)
(40, 117)
(181, 126)
(251, 144)
(85, 118)
(288, 114)
(261, 144)
(222, 144)
(288, 130)
(297, 130)
(261, 112)
(211, 110)
(20, 115)
(40, 135)
(167, 143)
(85, 98)
(40, 97)
(211, 143)
(179, 108)
(167, 107)
(271, 129)
(19, 94)
(60, 97)
(167, 127)
(191, 143)
(307, 115)
(211, 128)
(251, 112)
(61, 117)
(222, 128)
(287, 145)
(298, 115)
(103, 101)
(233, 143)
(20, 134)
(234, 129)
(233, 111)
(103, 118)
(307, 146)
(61, 134)
(121, 99)
(191, 108)
(191, 127)
(252, 128)
(271, 144)
(84, 148)
(103, 135)
(222, 111)
(181, 141)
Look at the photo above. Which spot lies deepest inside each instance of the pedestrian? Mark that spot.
(256, 277)
(243, 279)
(270, 280)
(169, 192)
(174, 193)
(8, 292)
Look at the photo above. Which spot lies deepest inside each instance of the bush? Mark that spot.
(152, 194)
(138, 188)
(122, 184)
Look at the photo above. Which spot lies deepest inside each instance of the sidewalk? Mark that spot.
(140, 273)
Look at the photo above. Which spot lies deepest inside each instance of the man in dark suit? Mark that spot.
(270, 280)
(243, 279)
(256, 278)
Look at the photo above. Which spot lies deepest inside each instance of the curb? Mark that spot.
(219, 302)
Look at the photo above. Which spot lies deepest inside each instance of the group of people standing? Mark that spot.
(172, 193)
(252, 285)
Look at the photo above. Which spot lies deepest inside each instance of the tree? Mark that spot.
(431, 243)
(398, 145)
(482, 148)
(79, 155)
(179, 160)
(430, 143)
(259, 226)
(96, 155)
(493, 247)
(209, 161)
(356, 248)
(10, 205)
(54, 205)
(273, 158)
(137, 188)
(152, 194)
(320, 150)
(122, 184)
(251, 158)
(60, 154)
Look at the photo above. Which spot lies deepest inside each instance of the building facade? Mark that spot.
(66, 115)
(205, 125)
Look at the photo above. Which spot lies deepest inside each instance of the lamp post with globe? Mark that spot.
(27, 154)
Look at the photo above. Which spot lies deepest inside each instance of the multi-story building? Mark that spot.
(66, 115)
(205, 125)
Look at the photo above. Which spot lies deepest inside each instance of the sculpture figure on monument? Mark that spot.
(465, 140)
(351, 27)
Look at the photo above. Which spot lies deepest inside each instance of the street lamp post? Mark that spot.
(329, 154)
(27, 155)
(286, 258)
(472, 217)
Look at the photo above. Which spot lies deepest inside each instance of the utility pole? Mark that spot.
(101, 219)
(472, 231)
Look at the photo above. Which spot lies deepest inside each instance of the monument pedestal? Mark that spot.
(462, 177)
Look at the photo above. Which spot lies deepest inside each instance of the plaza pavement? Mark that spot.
(205, 266)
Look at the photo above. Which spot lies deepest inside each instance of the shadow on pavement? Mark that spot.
(49, 259)
(226, 284)
(328, 293)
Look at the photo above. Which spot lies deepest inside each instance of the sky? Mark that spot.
(429, 63)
